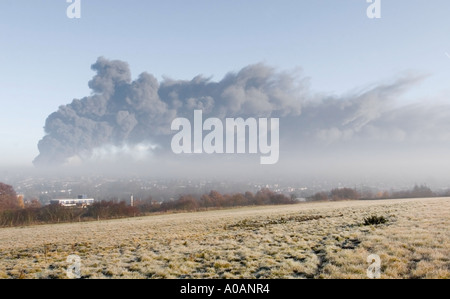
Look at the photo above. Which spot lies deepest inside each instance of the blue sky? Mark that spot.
(46, 57)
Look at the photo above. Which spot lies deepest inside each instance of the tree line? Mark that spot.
(418, 191)
(13, 212)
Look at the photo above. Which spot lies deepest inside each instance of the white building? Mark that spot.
(81, 201)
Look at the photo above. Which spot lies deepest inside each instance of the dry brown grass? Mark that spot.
(312, 240)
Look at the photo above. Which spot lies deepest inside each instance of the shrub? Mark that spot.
(374, 220)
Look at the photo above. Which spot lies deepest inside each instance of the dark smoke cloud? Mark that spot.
(123, 112)
(124, 115)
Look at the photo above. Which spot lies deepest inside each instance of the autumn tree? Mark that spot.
(206, 201)
(238, 200)
(422, 191)
(319, 196)
(8, 198)
(416, 192)
(216, 198)
(344, 193)
(34, 203)
(383, 194)
(263, 196)
(187, 203)
(20, 201)
(250, 197)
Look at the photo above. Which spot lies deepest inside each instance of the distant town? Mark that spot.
(46, 189)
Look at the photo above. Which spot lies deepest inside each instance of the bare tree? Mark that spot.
(8, 198)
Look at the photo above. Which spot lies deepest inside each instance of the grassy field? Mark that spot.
(311, 240)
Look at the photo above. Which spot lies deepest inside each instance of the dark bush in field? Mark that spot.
(374, 220)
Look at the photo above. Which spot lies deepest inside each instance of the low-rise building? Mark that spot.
(81, 201)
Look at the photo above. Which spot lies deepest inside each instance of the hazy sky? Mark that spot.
(46, 57)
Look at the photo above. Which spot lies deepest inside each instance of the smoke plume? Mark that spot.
(122, 112)
(123, 115)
